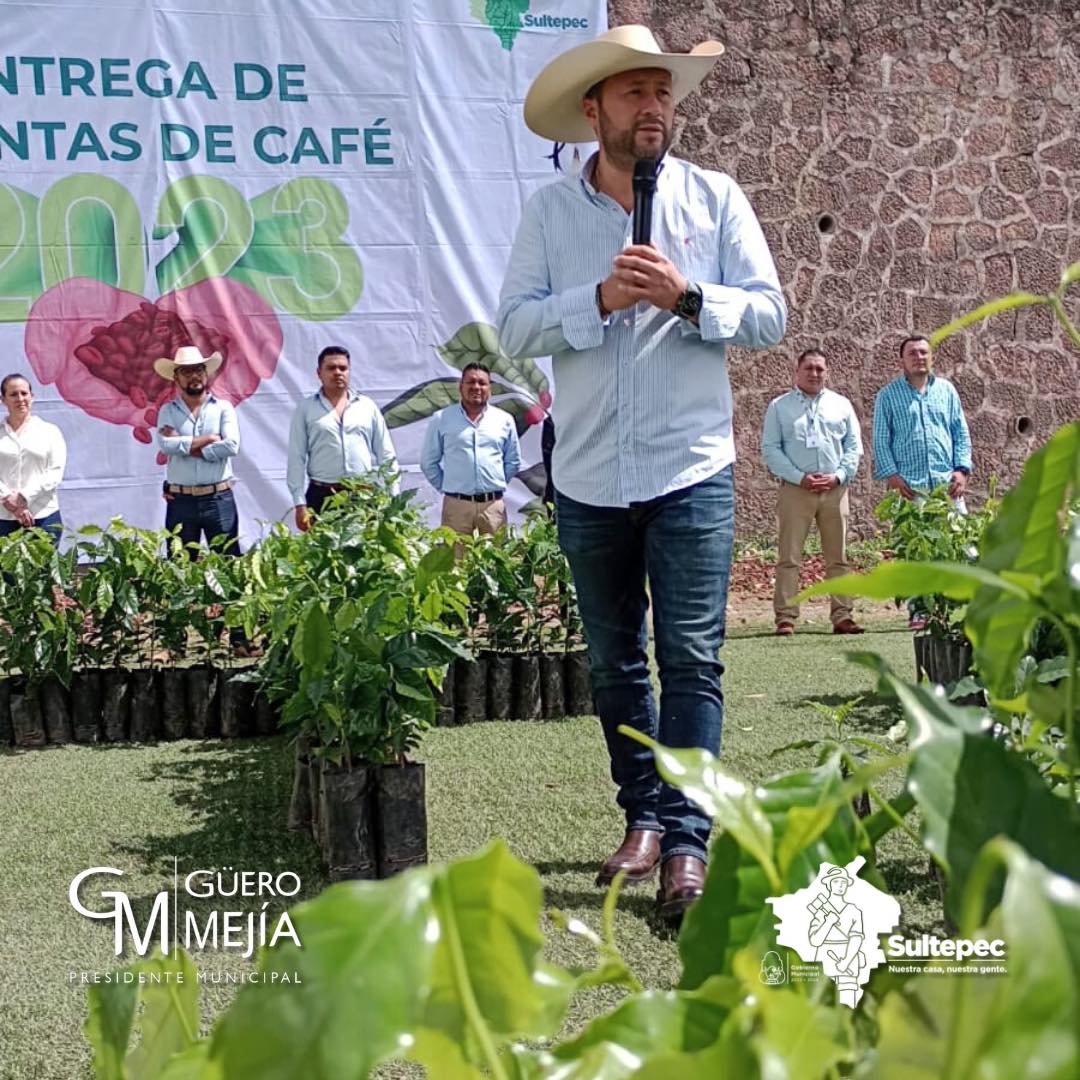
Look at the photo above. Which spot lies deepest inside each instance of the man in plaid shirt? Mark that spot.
(921, 437)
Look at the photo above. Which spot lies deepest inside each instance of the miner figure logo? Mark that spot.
(772, 969)
(837, 921)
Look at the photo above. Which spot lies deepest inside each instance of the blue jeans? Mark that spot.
(682, 544)
(209, 515)
(51, 523)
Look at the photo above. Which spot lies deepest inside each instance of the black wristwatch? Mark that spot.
(688, 306)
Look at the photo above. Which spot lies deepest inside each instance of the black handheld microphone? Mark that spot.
(644, 189)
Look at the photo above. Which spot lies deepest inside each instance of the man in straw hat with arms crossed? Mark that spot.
(643, 462)
(199, 435)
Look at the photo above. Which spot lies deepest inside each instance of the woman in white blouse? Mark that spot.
(32, 459)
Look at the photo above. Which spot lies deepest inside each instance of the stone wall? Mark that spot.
(908, 160)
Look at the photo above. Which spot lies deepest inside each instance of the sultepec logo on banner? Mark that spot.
(174, 921)
(509, 17)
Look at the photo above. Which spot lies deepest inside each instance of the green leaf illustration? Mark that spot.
(479, 343)
(420, 402)
(424, 400)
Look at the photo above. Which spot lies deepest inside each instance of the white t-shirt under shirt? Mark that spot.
(32, 462)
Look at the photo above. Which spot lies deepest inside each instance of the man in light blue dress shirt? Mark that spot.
(470, 455)
(335, 434)
(812, 444)
(199, 435)
(643, 462)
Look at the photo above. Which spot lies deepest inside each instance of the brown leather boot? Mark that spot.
(682, 881)
(638, 855)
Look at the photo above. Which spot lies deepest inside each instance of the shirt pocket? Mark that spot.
(489, 442)
(358, 428)
(937, 416)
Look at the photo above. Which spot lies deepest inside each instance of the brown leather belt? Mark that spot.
(204, 489)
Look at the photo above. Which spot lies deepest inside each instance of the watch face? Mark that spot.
(689, 304)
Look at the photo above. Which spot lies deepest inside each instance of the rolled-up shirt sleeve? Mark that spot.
(229, 434)
(172, 445)
(532, 320)
(747, 307)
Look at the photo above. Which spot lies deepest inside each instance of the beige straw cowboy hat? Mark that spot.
(553, 103)
(187, 356)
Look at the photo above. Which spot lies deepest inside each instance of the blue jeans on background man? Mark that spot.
(682, 544)
(51, 523)
(210, 515)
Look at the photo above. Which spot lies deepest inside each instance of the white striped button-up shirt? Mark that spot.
(643, 403)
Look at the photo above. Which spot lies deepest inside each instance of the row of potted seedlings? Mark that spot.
(369, 628)
(524, 631)
(521, 686)
(108, 641)
(139, 705)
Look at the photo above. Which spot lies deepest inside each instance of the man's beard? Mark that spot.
(620, 148)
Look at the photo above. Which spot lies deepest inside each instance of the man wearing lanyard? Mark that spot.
(335, 433)
(811, 443)
(200, 436)
(470, 454)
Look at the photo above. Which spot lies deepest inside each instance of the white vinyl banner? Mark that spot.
(263, 178)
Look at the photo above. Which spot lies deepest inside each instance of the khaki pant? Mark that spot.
(466, 517)
(796, 510)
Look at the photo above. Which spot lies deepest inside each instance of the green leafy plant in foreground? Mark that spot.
(930, 528)
(443, 965)
(1027, 577)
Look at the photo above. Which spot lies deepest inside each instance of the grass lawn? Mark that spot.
(544, 787)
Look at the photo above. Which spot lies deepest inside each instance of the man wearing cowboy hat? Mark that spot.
(643, 462)
(199, 435)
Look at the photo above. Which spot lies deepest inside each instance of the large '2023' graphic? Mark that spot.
(73, 267)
